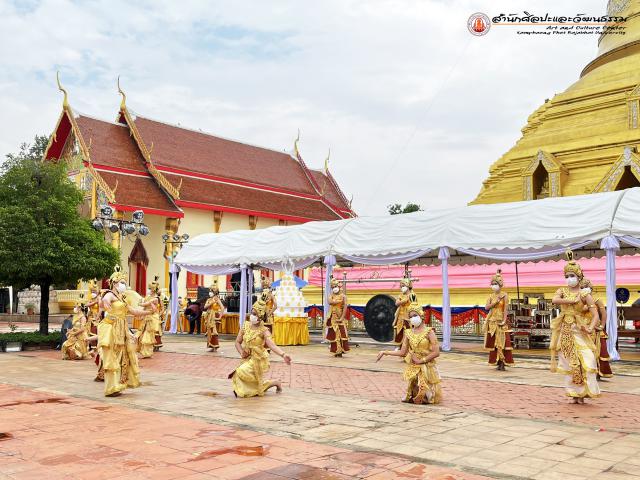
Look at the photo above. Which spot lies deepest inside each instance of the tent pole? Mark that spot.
(517, 283)
(322, 283)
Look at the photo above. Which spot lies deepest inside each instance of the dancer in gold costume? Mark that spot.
(571, 337)
(599, 335)
(404, 300)
(93, 306)
(270, 302)
(337, 321)
(497, 338)
(420, 349)
(76, 345)
(146, 336)
(116, 344)
(248, 378)
(212, 317)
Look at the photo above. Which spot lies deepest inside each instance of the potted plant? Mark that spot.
(31, 308)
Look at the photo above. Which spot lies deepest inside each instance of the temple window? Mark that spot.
(540, 181)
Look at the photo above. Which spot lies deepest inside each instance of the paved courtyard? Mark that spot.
(336, 419)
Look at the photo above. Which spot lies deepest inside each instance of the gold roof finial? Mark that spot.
(65, 100)
(123, 103)
(295, 144)
(326, 162)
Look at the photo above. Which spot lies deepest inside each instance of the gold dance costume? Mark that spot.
(496, 333)
(401, 320)
(146, 337)
(599, 338)
(212, 317)
(157, 324)
(117, 353)
(248, 378)
(75, 347)
(575, 350)
(267, 297)
(337, 325)
(424, 379)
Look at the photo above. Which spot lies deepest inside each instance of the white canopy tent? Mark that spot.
(591, 225)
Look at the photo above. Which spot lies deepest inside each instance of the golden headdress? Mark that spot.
(572, 266)
(155, 285)
(92, 286)
(81, 301)
(117, 276)
(335, 283)
(406, 282)
(261, 308)
(214, 288)
(497, 278)
(414, 307)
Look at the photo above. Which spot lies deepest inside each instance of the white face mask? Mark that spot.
(253, 319)
(148, 291)
(404, 289)
(415, 321)
(121, 287)
(572, 281)
(495, 288)
(211, 294)
(335, 290)
(94, 295)
(75, 309)
(586, 291)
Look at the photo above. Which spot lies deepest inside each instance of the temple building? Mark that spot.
(185, 181)
(585, 139)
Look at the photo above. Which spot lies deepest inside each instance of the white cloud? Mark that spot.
(374, 80)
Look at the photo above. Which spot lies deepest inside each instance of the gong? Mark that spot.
(378, 317)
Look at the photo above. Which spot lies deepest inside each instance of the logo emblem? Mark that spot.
(478, 24)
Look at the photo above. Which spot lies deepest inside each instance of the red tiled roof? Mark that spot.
(248, 200)
(139, 192)
(330, 192)
(185, 149)
(111, 144)
(216, 173)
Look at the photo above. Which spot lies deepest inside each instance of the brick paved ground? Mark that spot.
(611, 411)
(511, 427)
(59, 437)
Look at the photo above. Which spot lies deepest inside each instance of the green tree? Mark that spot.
(43, 239)
(397, 208)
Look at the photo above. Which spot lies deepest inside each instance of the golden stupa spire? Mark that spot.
(619, 38)
(123, 103)
(65, 100)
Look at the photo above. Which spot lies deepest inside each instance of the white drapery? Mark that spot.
(610, 245)
(475, 234)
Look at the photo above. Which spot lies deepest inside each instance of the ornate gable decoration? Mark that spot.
(628, 159)
(556, 171)
(633, 107)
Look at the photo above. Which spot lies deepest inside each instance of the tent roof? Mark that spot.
(495, 229)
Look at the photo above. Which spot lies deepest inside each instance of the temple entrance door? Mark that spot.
(138, 262)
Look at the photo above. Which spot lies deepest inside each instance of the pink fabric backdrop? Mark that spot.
(531, 274)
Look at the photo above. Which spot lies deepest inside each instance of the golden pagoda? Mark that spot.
(585, 139)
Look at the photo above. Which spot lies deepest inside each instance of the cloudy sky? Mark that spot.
(413, 107)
